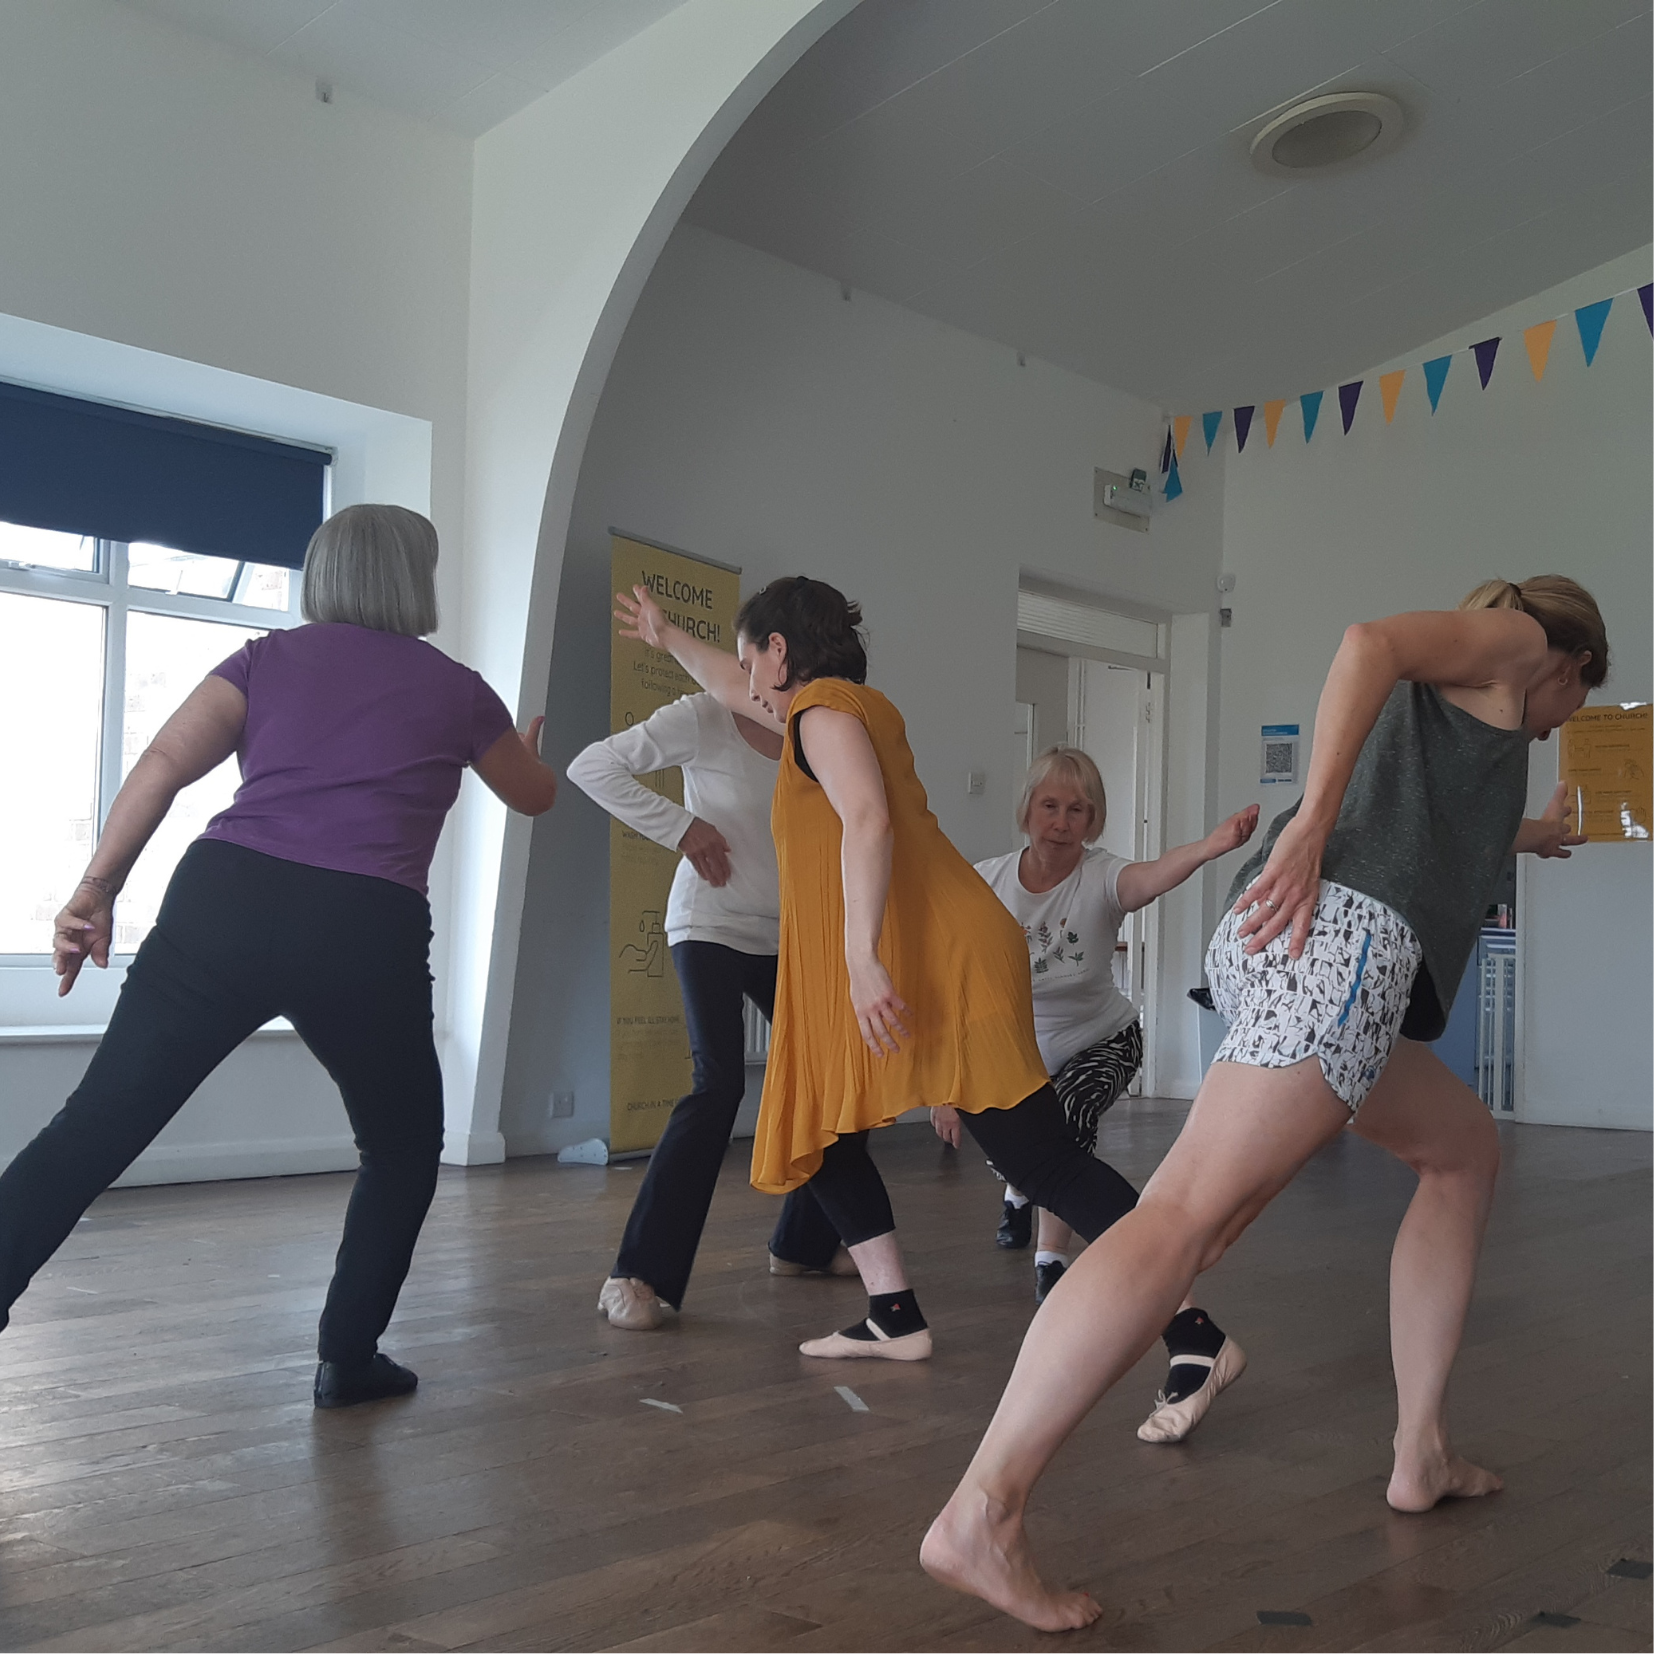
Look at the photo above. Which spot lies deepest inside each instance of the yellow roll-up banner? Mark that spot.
(649, 1062)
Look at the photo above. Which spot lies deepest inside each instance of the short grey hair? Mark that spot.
(374, 566)
(1066, 764)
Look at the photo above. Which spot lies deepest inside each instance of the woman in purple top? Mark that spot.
(304, 899)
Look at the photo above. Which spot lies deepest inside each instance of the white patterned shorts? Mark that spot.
(1341, 1003)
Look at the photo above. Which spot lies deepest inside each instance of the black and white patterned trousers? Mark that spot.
(1092, 1082)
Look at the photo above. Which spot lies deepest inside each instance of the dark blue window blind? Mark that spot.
(87, 468)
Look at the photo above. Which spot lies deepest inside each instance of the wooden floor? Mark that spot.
(164, 1482)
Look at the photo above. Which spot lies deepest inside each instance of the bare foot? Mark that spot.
(975, 1546)
(1422, 1484)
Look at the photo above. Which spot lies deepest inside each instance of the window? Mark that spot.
(100, 642)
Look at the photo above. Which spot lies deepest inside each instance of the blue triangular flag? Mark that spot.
(1435, 376)
(1174, 483)
(1243, 426)
(1589, 318)
(1209, 423)
(1484, 354)
(1310, 402)
(1348, 396)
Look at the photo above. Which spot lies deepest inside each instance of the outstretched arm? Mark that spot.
(197, 738)
(842, 758)
(1489, 653)
(721, 675)
(1142, 881)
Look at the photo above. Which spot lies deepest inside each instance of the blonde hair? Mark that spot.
(1569, 614)
(373, 566)
(1071, 765)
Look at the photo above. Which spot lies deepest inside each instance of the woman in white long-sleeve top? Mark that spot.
(723, 927)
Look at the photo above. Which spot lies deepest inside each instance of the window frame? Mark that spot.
(106, 585)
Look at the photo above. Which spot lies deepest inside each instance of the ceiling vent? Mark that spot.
(1322, 133)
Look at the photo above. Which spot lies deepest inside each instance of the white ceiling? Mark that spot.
(1070, 177)
(464, 63)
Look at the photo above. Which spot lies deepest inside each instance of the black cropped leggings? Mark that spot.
(242, 938)
(1030, 1146)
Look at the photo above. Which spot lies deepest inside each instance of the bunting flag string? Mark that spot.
(1589, 321)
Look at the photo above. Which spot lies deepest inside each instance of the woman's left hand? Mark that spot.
(879, 1008)
(641, 617)
(945, 1119)
(1552, 834)
(82, 931)
(1284, 894)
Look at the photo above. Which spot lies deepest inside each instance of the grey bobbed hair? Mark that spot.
(374, 566)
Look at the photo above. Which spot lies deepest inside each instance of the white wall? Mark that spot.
(188, 228)
(755, 416)
(1520, 479)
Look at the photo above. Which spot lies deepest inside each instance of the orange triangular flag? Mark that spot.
(1538, 341)
(1389, 387)
(1180, 431)
(1272, 418)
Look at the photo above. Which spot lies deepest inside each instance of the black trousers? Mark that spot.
(241, 938)
(1030, 1145)
(664, 1230)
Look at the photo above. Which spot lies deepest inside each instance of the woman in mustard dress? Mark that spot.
(874, 896)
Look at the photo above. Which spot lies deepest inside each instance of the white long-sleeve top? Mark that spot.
(726, 783)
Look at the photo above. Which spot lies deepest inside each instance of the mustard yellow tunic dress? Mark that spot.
(956, 956)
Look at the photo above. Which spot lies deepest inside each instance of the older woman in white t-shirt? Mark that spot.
(1071, 897)
(723, 922)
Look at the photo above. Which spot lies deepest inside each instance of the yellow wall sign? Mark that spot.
(1608, 766)
(649, 1062)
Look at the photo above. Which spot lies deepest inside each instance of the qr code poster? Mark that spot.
(1280, 755)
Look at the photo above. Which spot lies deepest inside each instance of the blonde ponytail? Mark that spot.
(1569, 614)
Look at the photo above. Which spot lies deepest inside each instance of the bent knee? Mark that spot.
(1472, 1151)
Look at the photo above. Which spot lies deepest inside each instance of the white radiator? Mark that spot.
(757, 1029)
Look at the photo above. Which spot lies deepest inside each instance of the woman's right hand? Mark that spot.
(707, 851)
(879, 1008)
(82, 930)
(1284, 894)
(641, 617)
(945, 1118)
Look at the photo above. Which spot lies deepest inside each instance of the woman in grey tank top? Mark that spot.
(1338, 959)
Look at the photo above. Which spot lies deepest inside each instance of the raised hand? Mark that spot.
(1284, 894)
(641, 617)
(1552, 833)
(1233, 833)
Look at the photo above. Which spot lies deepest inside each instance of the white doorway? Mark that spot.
(1110, 703)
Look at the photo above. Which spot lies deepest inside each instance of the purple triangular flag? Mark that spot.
(1435, 376)
(1646, 294)
(1166, 453)
(1243, 425)
(1485, 352)
(1348, 396)
(1589, 319)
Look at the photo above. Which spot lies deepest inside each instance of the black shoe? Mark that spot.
(1046, 1276)
(1016, 1226)
(341, 1386)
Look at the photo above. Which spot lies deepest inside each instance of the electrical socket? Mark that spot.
(562, 1105)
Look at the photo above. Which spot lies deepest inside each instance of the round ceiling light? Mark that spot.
(1326, 132)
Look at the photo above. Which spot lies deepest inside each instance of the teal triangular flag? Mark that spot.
(1174, 483)
(1310, 402)
(1209, 423)
(1435, 376)
(1589, 319)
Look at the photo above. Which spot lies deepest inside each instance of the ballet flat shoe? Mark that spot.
(631, 1304)
(842, 1265)
(1172, 1421)
(911, 1346)
(1016, 1226)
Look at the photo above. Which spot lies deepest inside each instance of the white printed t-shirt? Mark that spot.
(1072, 932)
(726, 783)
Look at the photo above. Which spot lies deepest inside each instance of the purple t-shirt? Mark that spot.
(353, 748)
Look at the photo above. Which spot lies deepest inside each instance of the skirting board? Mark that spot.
(213, 1162)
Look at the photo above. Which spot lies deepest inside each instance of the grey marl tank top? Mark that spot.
(1428, 819)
